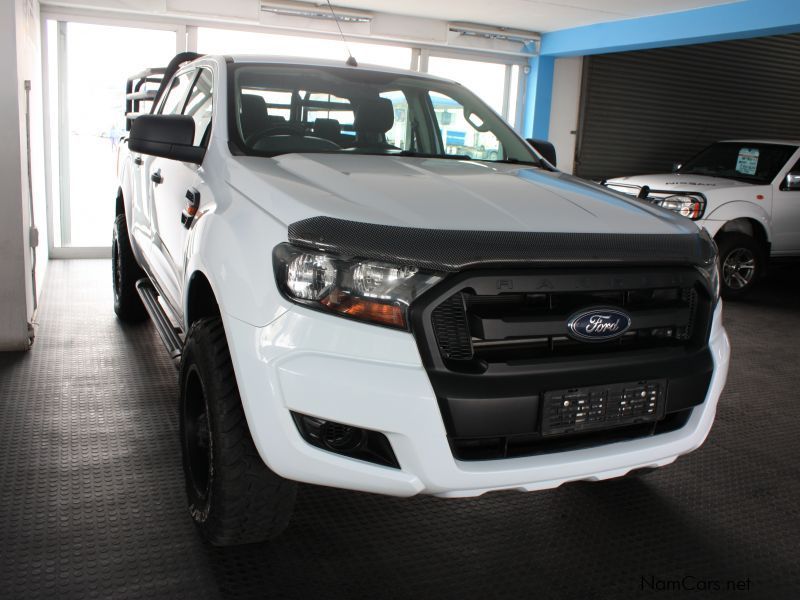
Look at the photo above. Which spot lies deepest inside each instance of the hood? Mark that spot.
(441, 194)
(678, 182)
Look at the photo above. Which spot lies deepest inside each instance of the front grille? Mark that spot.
(452, 329)
(472, 330)
(496, 345)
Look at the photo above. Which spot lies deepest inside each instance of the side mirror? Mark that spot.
(167, 136)
(545, 148)
(792, 182)
(676, 167)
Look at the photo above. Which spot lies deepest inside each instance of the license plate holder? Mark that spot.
(577, 410)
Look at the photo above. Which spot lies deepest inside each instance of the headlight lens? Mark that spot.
(687, 205)
(365, 290)
(710, 267)
(310, 276)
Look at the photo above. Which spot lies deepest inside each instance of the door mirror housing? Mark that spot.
(792, 182)
(167, 136)
(545, 148)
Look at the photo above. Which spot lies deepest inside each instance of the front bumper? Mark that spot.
(372, 377)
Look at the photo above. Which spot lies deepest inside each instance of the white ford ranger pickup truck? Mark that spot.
(354, 304)
(746, 193)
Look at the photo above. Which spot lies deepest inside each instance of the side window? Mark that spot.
(199, 105)
(175, 96)
(336, 117)
(463, 133)
(401, 133)
(791, 183)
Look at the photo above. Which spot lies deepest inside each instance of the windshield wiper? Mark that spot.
(414, 154)
(515, 161)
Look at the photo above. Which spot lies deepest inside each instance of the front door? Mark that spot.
(171, 180)
(786, 216)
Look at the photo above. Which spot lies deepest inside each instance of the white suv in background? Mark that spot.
(357, 308)
(746, 193)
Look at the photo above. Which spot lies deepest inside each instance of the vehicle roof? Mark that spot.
(319, 62)
(758, 141)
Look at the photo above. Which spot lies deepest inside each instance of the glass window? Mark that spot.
(175, 96)
(199, 105)
(746, 161)
(227, 41)
(97, 60)
(464, 132)
(400, 135)
(328, 106)
(347, 110)
(277, 103)
(486, 80)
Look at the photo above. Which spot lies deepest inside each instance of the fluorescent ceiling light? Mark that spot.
(495, 33)
(310, 10)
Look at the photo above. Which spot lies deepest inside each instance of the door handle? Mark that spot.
(156, 177)
(138, 160)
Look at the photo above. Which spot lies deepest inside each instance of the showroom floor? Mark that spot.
(92, 500)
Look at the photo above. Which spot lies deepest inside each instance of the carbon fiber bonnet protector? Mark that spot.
(452, 250)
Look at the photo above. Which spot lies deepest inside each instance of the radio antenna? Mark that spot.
(351, 61)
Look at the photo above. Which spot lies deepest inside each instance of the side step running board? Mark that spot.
(168, 334)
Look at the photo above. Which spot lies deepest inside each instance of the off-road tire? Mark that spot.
(238, 500)
(125, 272)
(729, 245)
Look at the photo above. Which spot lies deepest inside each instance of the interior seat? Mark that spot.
(374, 117)
(254, 117)
(328, 129)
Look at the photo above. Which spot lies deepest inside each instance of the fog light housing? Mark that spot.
(347, 440)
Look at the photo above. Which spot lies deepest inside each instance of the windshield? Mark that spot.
(744, 161)
(278, 109)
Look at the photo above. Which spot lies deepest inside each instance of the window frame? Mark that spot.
(169, 90)
(204, 140)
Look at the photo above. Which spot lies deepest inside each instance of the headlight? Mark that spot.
(360, 289)
(688, 205)
(710, 266)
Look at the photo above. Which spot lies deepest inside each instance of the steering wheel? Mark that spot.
(279, 130)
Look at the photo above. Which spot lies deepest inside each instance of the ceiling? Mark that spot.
(533, 15)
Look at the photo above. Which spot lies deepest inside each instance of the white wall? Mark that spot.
(20, 59)
(564, 109)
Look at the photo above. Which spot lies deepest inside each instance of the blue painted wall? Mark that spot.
(538, 97)
(743, 19)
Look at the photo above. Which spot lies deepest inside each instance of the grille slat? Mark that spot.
(452, 331)
(478, 328)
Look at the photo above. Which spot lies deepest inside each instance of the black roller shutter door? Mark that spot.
(642, 111)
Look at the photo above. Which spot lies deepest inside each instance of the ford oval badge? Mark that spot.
(598, 324)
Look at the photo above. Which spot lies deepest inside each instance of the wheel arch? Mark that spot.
(233, 253)
(744, 217)
(120, 203)
(748, 226)
(124, 201)
(201, 301)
